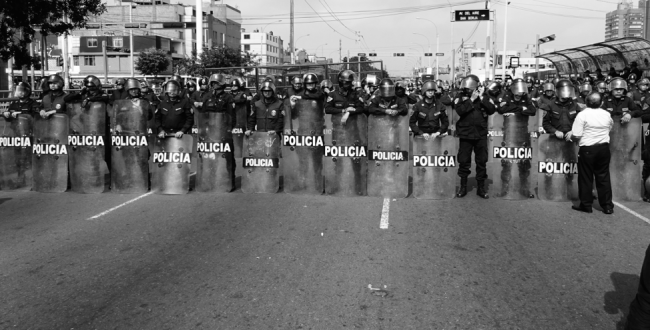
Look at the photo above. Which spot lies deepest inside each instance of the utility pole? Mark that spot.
(199, 27)
(340, 57)
(293, 46)
(539, 74)
(505, 38)
(487, 43)
(66, 85)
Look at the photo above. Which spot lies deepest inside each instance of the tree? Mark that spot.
(215, 57)
(19, 18)
(152, 61)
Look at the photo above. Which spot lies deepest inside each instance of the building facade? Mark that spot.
(267, 48)
(626, 21)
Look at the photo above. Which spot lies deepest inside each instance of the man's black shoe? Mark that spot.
(608, 211)
(582, 209)
(480, 191)
(462, 192)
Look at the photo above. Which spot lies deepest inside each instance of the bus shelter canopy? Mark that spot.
(617, 54)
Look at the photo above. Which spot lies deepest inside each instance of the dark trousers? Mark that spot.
(593, 161)
(639, 317)
(480, 149)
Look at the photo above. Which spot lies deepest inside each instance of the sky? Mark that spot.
(388, 26)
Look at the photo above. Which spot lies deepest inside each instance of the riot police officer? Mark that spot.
(326, 86)
(429, 117)
(55, 101)
(119, 93)
(134, 93)
(191, 91)
(346, 99)
(400, 91)
(267, 114)
(90, 92)
(560, 115)
(640, 94)
(387, 103)
(548, 95)
(25, 104)
(174, 115)
(473, 110)
(148, 94)
(241, 99)
(631, 82)
(601, 87)
(620, 105)
(296, 86)
(584, 89)
(493, 90)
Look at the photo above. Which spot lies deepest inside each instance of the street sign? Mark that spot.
(440, 54)
(398, 54)
(546, 39)
(361, 54)
(135, 25)
(471, 15)
(172, 25)
(94, 26)
(514, 62)
(428, 54)
(372, 54)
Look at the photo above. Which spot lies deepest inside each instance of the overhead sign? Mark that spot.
(372, 54)
(361, 54)
(546, 39)
(398, 54)
(135, 25)
(514, 62)
(428, 54)
(172, 25)
(440, 54)
(471, 15)
(95, 26)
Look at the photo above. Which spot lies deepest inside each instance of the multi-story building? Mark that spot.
(267, 48)
(626, 21)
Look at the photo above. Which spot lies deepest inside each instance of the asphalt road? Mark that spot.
(239, 261)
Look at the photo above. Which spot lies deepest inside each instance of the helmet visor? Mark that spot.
(519, 88)
(565, 92)
(387, 91)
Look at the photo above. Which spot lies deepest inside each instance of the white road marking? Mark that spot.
(383, 224)
(117, 207)
(632, 212)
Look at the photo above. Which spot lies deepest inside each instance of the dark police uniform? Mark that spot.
(429, 118)
(338, 101)
(29, 107)
(267, 117)
(559, 116)
(173, 117)
(619, 107)
(472, 131)
(221, 102)
(118, 95)
(56, 100)
(395, 103)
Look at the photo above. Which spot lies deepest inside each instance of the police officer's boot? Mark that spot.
(480, 190)
(646, 186)
(463, 188)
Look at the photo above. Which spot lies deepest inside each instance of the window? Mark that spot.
(89, 60)
(75, 60)
(118, 42)
(247, 36)
(247, 47)
(91, 42)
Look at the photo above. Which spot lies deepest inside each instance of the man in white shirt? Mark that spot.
(591, 127)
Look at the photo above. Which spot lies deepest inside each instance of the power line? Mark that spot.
(328, 24)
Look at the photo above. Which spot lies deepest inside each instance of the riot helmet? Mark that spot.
(23, 90)
(469, 84)
(618, 87)
(173, 89)
(119, 83)
(387, 88)
(92, 83)
(429, 89)
(270, 78)
(144, 87)
(296, 83)
(601, 86)
(132, 87)
(631, 79)
(643, 84)
(217, 81)
(400, 88)
(594, 101)
(203, 83)
(326, 84)
(237, 84)
(371, 81)
(310, 81)
(564, 89)
(494, 89)
(267, 90)
(55, 82)
(357, 85)
(585, 89)
(519, 87)
(345, 78)
(178, 79)
(190, 85)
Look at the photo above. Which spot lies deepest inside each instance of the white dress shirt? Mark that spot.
(592, 126)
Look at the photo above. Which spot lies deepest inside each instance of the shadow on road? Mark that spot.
(625, 287)
(2, 200)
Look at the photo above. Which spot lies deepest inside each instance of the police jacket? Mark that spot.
(378, 106)
(619, 107)
(559, 116)
(429, 117)
(544, 100)
(268, 115)
(472, 123)
(444, 98)
(338, 101)
(151, 98)
(87, 96)
(220, 101)
(638, 97)
(522, 107)
(56, 101)
(174, 116)
(410, 98)
(242, 107)
(147, 107)
(29, 107)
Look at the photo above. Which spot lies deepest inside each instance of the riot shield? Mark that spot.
(173, 160)
(434, 167)
(129, 148)
(16, 153)
(346, 155)
(261, 163)
(214, 148)
(388, 160)
(50, 153)
(511, 160)
(240, 128)
(303, 148)
(86, 140)
(557, 169)
(625, 164)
